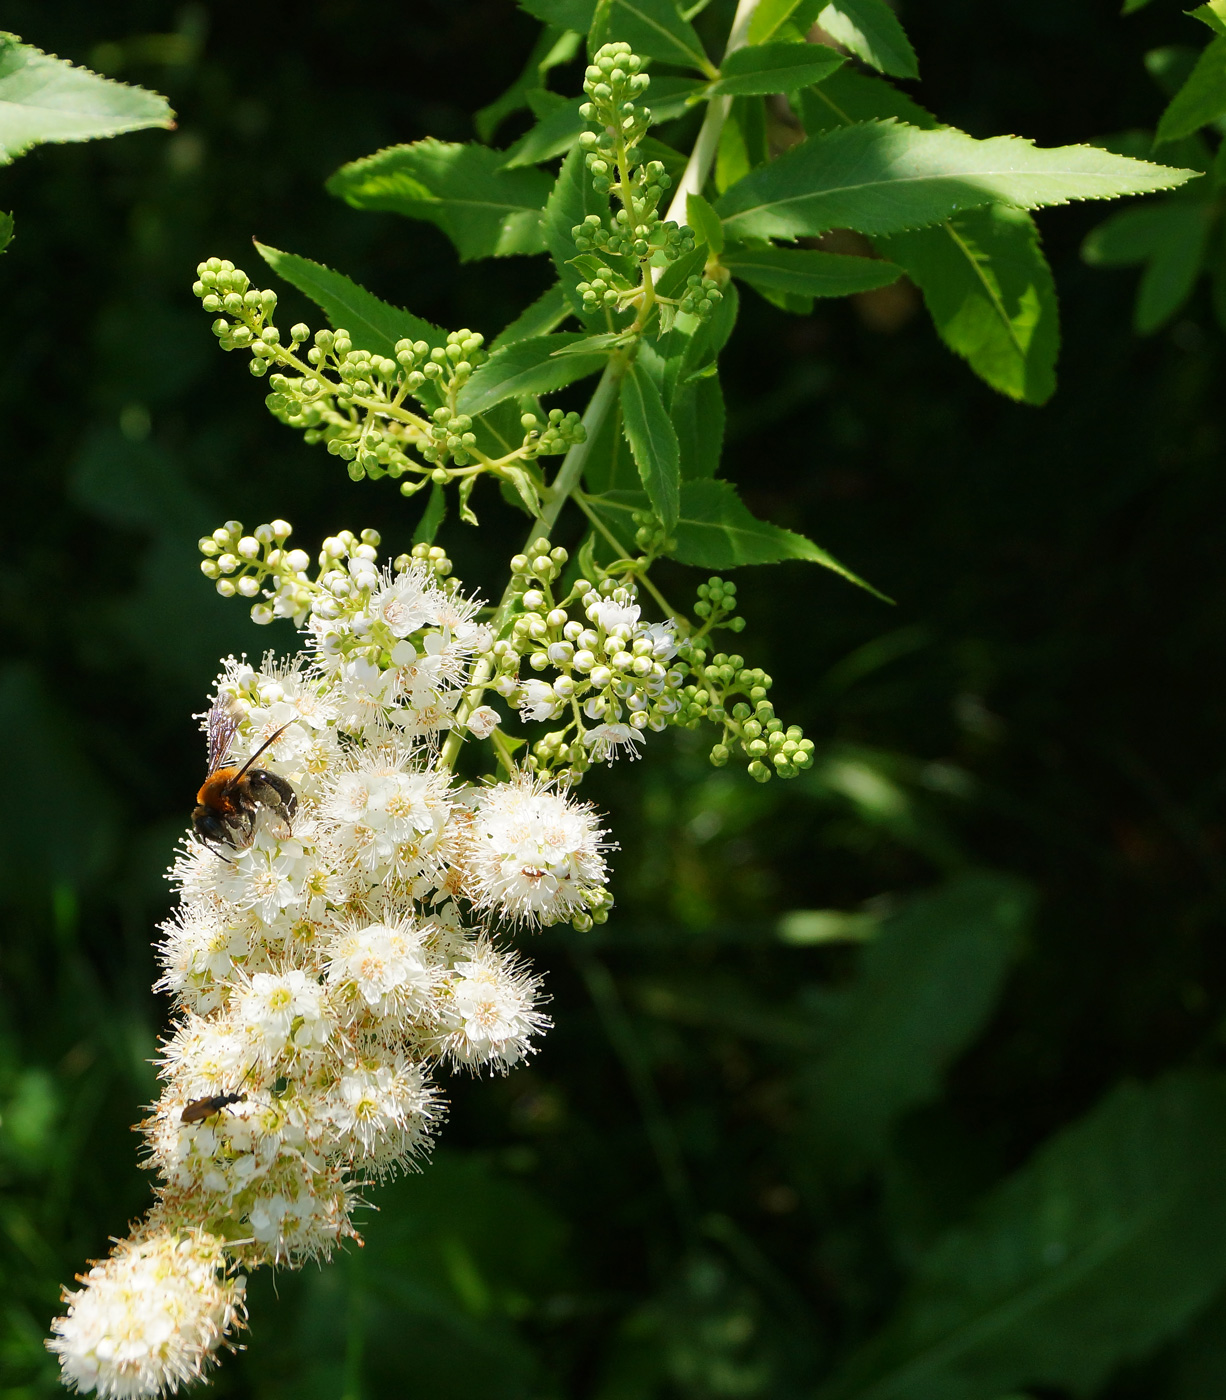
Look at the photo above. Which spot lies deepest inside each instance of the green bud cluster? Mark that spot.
(559, 432)
(356, 402)
(613, 82)
(700, 297)
(432, 555)
(749, 724)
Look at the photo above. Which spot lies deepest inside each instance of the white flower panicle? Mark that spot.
(324, 970)
(150, 1318)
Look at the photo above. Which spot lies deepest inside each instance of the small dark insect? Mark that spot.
(230, 798)
(200, 1109)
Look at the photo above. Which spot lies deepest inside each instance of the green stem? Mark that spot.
(597, 524)
(698, 167)
(554, 498)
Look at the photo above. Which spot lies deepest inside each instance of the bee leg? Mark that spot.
(272, 791)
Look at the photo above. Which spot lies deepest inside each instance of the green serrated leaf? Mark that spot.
(703, 219)
(487, 212)
(652, 28)
(742, 142)
(1099, 1248)
(767, 68)
(1171, 237)
(43, 98)
(715, 530)
(991, 296)
(847, 97)
(372, 324)
(558, 130)
(553, 136)
(884, 177)
(698, 414)
(927, 984)
(768, 18)
(1213, 14)
(6, 230)
(571, 201)
(870, 29)
(552, 48)
(564, 14)
(809, 273)
(527, 367)
(1201, 99)
(545, 314)
(653, 442)
(432, 517)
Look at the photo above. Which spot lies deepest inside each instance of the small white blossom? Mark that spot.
(382, 970)
(607, 740)
(491, 1013)
(539, 701)
(616, 611)
(284, 1012)
(483, 721)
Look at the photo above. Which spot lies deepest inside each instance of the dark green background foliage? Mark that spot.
(973, 1148)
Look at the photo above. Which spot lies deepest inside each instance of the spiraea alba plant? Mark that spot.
(347, 904)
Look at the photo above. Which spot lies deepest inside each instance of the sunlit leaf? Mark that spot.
(43, 98)
(486, 211)
(530, 366)
(808, 272)
(870, 29)
(991, 296)
(767, 68)
(653, 29)
(884, 177)
(653, 442)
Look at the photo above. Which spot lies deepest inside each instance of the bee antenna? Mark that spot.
(261, 749)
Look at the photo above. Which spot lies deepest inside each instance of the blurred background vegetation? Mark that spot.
(913, 1061)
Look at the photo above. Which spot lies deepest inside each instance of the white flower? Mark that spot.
(616, 611)
(282, 1012)
(538, 701)
(483, 721)
(150, 1318)
(382, 969)
(301, 1212)
(406, 603)
(383, 1112)
(492, 1013)
(365, 692)
(267, 877)
(663, 639)
(606, 740)
(535, 854)
(388, 818)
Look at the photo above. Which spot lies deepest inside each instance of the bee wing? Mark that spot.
(222, 726)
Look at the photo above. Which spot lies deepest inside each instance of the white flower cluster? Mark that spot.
(322, 970)
(150, 1318)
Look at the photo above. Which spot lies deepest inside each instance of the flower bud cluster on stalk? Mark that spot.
(332, 952)
(636, 236)
(383, 415)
